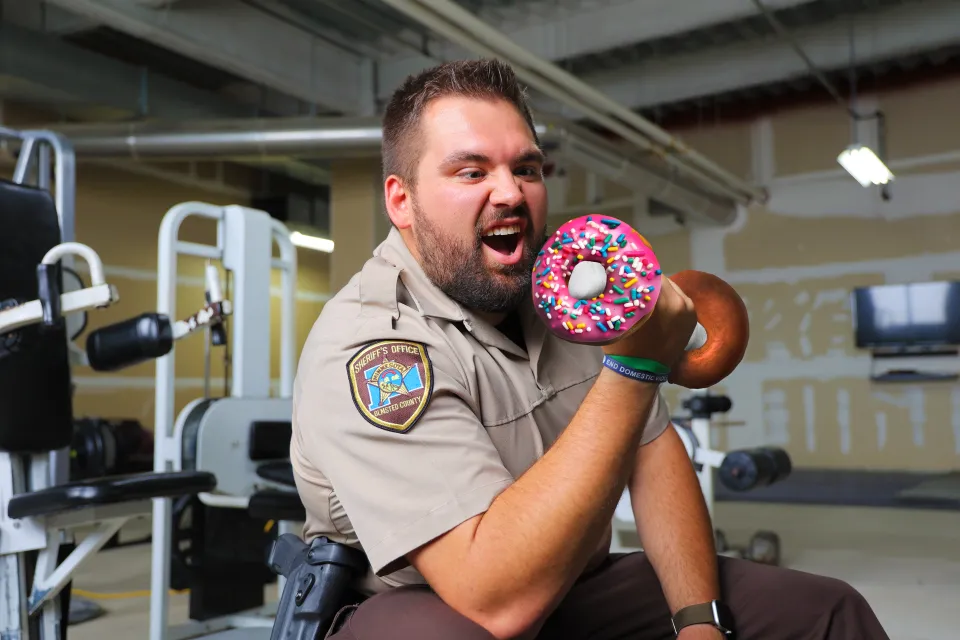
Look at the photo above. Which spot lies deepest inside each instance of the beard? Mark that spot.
(458, 267)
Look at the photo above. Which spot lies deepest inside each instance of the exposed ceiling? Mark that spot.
(752, 28)
(665, 59)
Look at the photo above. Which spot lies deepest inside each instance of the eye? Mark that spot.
(471, 174)
(530, 172)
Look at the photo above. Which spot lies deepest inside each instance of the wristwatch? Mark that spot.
(714, 613)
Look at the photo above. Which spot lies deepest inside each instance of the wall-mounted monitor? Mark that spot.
(907, 316)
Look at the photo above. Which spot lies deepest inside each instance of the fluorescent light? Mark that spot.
(864, 165)
(311, 242)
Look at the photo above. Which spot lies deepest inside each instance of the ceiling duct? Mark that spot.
(317, 138)
(461, 27)
(304, 139)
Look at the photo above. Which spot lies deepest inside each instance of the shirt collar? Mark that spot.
(429, 298)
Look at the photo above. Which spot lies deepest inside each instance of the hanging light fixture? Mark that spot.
(315, 243)
(859, 160)
(865, 166)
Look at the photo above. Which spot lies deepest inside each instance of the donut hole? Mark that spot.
(505, 244)
(587, 281)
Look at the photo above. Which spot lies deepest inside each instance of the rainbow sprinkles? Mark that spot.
(632, 270)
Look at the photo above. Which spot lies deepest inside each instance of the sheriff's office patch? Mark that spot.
(391, 382)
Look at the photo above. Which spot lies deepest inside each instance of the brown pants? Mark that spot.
(623, 599)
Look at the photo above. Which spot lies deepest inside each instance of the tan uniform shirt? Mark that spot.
(411, 414)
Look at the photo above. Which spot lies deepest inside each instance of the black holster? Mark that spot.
(318, 576)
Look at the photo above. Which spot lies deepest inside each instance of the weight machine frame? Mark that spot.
(33, 167)
(28, 523)
(34, 161)
(35, 149)
(245, 239)
(98, 294)
(46, 534)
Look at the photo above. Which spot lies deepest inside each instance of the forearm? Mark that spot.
(673, 522)
(539, 534)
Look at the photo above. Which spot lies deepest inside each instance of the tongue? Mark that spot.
(502, 244)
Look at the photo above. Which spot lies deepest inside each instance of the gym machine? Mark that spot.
(105, 447)
(41, 511)
(739, 470)
(214, 542)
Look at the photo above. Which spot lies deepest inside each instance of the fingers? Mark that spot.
(687, 302)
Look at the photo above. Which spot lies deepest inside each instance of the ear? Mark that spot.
(397, 200)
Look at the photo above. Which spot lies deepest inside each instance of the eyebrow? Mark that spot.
(461, 157)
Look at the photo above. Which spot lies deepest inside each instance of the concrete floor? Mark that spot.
(906, 563)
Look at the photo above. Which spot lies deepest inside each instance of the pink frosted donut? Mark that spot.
(632, 280)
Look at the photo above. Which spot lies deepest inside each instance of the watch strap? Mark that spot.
(714, 613)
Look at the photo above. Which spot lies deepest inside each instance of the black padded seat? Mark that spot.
(279, 471)
(275, 504)
(109, 490)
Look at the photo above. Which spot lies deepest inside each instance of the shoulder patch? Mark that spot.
(391, 382)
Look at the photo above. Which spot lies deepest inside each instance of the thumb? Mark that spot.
(667, 282)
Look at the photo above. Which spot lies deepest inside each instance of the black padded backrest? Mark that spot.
(36, 413)
(270, 440)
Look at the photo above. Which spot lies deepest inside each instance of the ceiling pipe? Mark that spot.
(287, 140)
(692, 201)
(465, 37)
(670, 144)
(253, 138)
(459, 26)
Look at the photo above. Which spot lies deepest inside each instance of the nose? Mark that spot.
(506, 191)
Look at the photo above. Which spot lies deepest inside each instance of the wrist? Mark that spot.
(641, 364)
(621, 391)
(700, 632)
(713, 618)
(638, 369)
(613, 381)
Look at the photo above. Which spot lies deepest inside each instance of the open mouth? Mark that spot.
(503, 240)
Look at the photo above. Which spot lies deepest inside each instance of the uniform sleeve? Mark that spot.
(658, 421)
(392, 425)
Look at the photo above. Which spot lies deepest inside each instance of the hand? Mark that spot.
(700, 632)
(665, 333)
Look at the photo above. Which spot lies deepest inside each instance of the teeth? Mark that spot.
(503, 231)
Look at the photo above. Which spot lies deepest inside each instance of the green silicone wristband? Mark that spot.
(643, 364)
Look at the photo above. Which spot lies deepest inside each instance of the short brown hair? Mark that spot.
(485, 79)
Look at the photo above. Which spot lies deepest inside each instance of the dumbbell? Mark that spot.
(763, 547)
(597, 279)
(104, 447)
(747, 469)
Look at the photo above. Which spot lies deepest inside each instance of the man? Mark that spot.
(475, 458)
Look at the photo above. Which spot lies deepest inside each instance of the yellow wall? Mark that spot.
(803, 384)
(118, 213)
